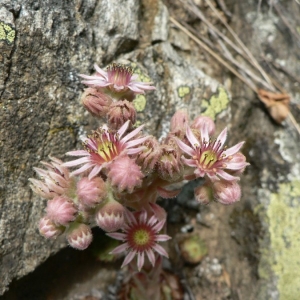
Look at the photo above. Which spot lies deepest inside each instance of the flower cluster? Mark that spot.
(116, 179)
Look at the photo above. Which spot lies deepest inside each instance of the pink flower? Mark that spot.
(55, 179)
(141, 238)
(118, 78)
(209, 157)
(102, 147)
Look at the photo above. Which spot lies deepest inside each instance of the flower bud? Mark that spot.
(79, 236)
(169, 165)
(203, 194)
(55, 181)
(179, 123)
(61, 210)
(149, 155)
(96, 102)
(125, 174)
(48, 229)
(202, 121)
(120, 112)
(226, 192)
(91, 192)
(110, 216)
(158, 211)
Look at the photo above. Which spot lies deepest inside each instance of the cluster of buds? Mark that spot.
(116, 179)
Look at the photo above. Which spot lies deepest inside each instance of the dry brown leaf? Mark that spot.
(277, 104)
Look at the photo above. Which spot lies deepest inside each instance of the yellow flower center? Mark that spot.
(208, 158)
(141, 237)
(107, 150)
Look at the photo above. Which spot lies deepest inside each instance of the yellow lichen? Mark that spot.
(183, 91)
(7, 33)
(284, 224)
(216, 104)
(139, 103)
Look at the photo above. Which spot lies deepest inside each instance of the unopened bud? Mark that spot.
(48, 229)
(226, 192)
(169, 165)
(120, 112)
(149, 155)
(119, 176)
(61, 210)
(79, 236)
(96, 102)
(203, 194)
(202, 121)
(91, 191)
(158, 211)
(110, 216)
(179, 123)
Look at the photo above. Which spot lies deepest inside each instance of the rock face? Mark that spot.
(45, 44)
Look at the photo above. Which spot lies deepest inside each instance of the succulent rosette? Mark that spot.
(141, 237)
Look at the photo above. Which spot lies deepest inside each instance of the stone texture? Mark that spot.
(40, 113)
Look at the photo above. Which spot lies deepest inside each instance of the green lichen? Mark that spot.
(139, 103)
(7, 33)
(141, 76)
(216, 104)
(140, 100)
(283, 213)
(183, 91)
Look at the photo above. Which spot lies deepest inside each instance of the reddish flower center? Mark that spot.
(141, 237)
(119, 75)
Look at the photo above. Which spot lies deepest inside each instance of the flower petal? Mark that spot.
(82, 169)
(117, 235)
(119, 249)
(191, 137)
(185, 148)
(162, 238)
(123, 128)
(140, 260)
(95, 171)
(227, 176)
(76, 162)
(100, 71)
(151, 256)
(233, 149)
(159, 249)
(78, 153)
(132, 134)
(129, 257)
(221, 139)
